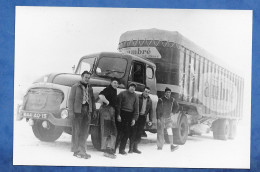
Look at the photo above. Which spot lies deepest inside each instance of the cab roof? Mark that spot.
(119, 55)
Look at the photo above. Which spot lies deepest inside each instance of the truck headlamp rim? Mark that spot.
(64, 113)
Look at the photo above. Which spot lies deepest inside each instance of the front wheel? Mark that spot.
(180, 134)
(49, 134)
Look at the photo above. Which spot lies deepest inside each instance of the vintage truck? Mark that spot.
(45, 105)
(210, 96)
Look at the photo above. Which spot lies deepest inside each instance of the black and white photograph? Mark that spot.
(132, 87)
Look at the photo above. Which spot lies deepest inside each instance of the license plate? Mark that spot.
(35, 115)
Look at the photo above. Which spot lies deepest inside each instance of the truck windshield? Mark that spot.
(111, 67)
(86, 65)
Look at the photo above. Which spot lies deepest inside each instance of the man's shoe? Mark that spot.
(122, 152)
(130, 151)
(137, 151)
(173, 148)
(159, 148)
(110, 155)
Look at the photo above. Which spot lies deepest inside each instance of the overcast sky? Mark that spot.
(53, 39)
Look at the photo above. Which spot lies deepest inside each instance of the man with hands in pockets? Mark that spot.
(127, 115)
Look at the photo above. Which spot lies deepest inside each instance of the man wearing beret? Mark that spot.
(127, 115)
(166, 106)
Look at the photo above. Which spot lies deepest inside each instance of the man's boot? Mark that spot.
(131, 147)
(172, 147)
(136, 150)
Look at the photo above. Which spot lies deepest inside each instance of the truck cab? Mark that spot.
(45, 104)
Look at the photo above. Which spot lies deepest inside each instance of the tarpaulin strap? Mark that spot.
(154, 41)
(141, 43)
(135, 42)
(165, 44)
(150, 42)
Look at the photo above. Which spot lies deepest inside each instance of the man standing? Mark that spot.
(107, 118)
(145, 108)
(127, 114)
(166, 107)
(81, 106)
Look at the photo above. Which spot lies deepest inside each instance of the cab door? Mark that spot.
(138, 75)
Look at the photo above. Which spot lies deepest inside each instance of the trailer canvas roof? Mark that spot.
(170, 36)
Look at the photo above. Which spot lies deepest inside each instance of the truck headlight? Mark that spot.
(98, 105)
(64, 113)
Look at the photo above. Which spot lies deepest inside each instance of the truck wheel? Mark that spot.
(96, 137)
(233, 129)
(180, 134)
(221, 129)
(49, 134)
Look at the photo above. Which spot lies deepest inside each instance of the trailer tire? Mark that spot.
(233, 129)
(180, 134)
(221, 129)
(96, 136)
(50, 134)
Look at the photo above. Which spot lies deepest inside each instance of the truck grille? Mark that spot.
(43, 100)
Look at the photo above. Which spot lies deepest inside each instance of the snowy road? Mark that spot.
(198, 152)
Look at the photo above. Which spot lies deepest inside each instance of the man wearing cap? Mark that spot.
(127, 115)
(82, 107)
(108, 97)
(166, 106)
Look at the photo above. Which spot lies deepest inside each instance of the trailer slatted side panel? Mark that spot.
(196, 74)
(218, 85)
(191, 77)
(186, 84)
(201, 87)
(182, 73)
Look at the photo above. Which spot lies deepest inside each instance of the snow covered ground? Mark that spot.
(198, 152)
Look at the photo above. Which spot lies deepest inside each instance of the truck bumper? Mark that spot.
(46, 116)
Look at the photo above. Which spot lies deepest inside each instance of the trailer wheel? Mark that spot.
(180, 134)
(221, 129)
(233, 129)
(96, 136)
(49, 134)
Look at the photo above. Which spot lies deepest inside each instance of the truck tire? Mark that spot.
(233, 129)
(180, 134)
(221, 129)
(96, 136)
(50, 134)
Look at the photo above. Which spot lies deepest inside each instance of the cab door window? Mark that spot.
(138, 72)
(138, 75)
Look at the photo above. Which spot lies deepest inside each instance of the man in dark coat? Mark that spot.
(82, 107)
(108, 97)
(145, 108)
(127, 115)
(166, 107)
